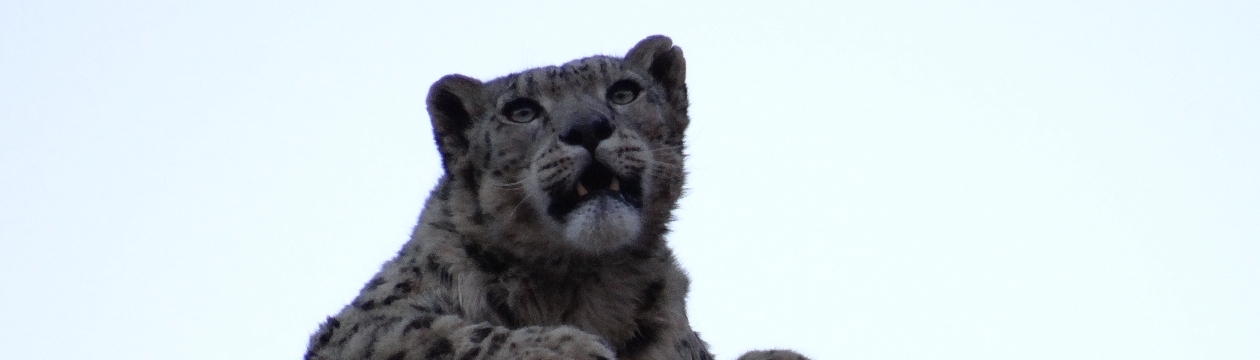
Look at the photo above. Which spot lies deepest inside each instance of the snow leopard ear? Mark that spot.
(664, 61)
(454, 101)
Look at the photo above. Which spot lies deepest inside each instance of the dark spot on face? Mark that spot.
(344, 339)
(422, 322)
(403, 287)
(489, 145)
(366, 305)
(443, 192)
(439, 349)
(398, 355)
(415, 271)
(472, 180)
(472, 354)
(479, 334)
(371, 285)
(496, 343)
(325, 336)
(389, 300)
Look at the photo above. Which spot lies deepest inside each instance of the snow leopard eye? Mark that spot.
(623, 92)
(522, 110)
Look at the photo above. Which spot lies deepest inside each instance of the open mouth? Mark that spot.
(596, 181)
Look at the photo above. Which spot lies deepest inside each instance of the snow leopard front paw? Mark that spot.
(555, 343)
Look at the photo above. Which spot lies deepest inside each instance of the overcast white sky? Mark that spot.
(989, 180)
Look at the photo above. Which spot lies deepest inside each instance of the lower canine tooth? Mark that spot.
(615, 185)
(581, 190)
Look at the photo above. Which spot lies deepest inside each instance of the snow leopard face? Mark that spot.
(587, 154)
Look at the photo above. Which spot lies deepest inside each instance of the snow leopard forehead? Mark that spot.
(590, 74)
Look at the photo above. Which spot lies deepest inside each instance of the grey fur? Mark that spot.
(493, 271)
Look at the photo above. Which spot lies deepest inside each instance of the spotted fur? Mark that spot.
(544, 239)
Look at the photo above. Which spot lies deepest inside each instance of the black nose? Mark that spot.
(588, 132)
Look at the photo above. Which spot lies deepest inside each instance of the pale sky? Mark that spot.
(989, 180)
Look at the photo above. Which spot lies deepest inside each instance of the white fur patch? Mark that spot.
(602, 224)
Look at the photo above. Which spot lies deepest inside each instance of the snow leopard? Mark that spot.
(545, 236)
